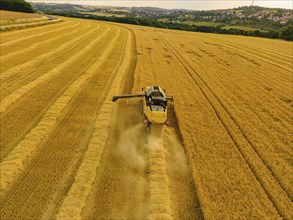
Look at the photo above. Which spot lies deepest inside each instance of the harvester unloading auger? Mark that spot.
(155, 104)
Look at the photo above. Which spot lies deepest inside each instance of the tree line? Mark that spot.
(285, 33)
(16, 5)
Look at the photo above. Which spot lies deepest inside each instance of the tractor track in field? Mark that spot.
(22, 51)
(5, 117)
(15, 71)
(28, 31)
(25, 40)
(264, 58)
(270, 80)
(226, 110)
(81, 188)
(11, 72)
(268, 95)
(29, 144)
(43, 158)
(12, 98)
(255, 169)
(36, 35)
(8, 116)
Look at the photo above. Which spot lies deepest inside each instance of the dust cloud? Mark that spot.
(150, 157)
(130, 146)
(175, 151)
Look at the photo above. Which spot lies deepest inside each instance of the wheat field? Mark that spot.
(69, 152)
(10, 20)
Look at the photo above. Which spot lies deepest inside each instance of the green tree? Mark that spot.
(16, 5)
(287, 33)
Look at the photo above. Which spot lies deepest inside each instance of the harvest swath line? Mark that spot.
(27, 147)
(12, 36)
(217, 100)
(5, 151)
(268, 51)
(160, 202)
(285, 59)
(252, 54)
(285, 118)
(244, 95)
(27, 117)
(33, 36)
(9, 100)
(38, 112)
(115, 168)
(244, 74)
(67, 179)
(75, 201)
(75, 42)
(10, 27)
(43, 59)
(281, 208)
(22, 51)
(100, 77)
(178, 171)
(249, 75)
(271, 79)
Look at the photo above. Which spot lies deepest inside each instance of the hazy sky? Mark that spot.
(192, 4)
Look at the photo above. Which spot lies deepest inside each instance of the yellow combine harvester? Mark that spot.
(155, 104)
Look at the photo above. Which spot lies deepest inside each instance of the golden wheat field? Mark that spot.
(69, 152)
(10, 20)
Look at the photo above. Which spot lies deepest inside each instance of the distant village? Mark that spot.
(281, 16)
(246, 14)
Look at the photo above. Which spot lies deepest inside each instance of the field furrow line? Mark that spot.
(275, 54)
(280, 56)
(238, 127)
(51, 208)
(244, 74)
(261, 72)
(75, 201)
(243, 93)
(23, 20)
(274, 191)
(28, 117)
(40, 60)
(182, 187)
(12, 98)
(266, 49)
(248, 73)
(15, 34)
(253, 54)
(22, 51)
(160, 204)
(28, 25)
(6, 44)
(14, 164)
(78, 115)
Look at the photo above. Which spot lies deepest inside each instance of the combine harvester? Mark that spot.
(155, 104)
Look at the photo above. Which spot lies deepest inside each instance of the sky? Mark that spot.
(179, 4)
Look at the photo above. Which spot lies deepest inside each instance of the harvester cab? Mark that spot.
(155, 104)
